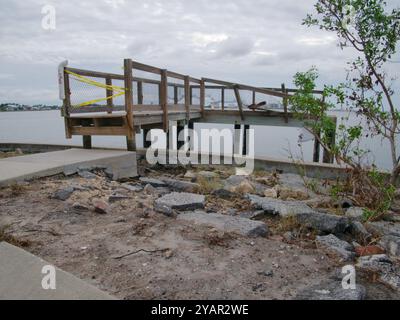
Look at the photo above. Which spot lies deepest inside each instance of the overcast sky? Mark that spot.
(258, 42)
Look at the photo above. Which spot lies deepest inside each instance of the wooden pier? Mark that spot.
(127, 113)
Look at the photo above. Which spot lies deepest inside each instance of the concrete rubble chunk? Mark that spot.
(391, 244)
(358, 230)
(332, 290)
(86, 174)
(180, 185)
(242, 226)
(207, 175)
(388, 273)
(130, 187)
(384, 228)
(152, 181)
(324, 223)
(63, 194)
(278, 207)
(117, 197)
(339, 247)
(100, 206)
(223, 193)
(356, 213)
(180, 201)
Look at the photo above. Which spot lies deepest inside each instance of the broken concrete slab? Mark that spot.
(334, 245)
(332, 290)
(391, 244)
(63, 194)
(153, 182)
(122, 164)
(384, 228)
(242, 226)
(358, 230)
(384, 268)
(278, 207)
(21, 276)
(179, 185)
(181, 201)
(324, 223)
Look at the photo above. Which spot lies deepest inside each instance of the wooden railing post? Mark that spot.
(128, 81)
(254, 97)
(239, 101)
(187, 97)
(202, 96)
(109, 93)
(285, 103)
(140, 92)
(66, 106)
(175, 94)
(223, 99)
(164, 98)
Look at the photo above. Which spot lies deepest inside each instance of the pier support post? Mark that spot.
(236, 139)
(146, 143)
(245, 149)
(87, 140)
(180, 130)
(191, 135)
(316, 150)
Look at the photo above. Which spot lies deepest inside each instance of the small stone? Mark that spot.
(86, 174)
(288, 236)
(243, 188)
(332, 290)
(117, 197)
(271, 193)
(19, 151)
(292, 194)
(154, 182)
(207, 175)
(358, 230)
(149, 189)
(368, 250)
(179, 185)
(339, 247)
(63, 194)
(79, 207)
(391, 244)
(356, 213)
(190, 175)
(223, 193)
(266, 273)
(100, 206)
(130, 187)
(168, 254)
(180, 201)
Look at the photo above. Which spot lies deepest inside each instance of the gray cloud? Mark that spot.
(260, 42)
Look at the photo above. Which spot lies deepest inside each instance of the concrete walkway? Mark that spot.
(21, 278)
(121, 164)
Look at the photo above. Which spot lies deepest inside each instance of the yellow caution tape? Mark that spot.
(120, 90)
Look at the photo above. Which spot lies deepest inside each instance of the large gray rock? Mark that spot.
(388, 273)
(152, 181)
(336, 246)
(355, 213)
(243, 226)
(180, 185)
(181, 201)
(324, 223)
(358, 230)
(391, 245)
(63, 194)
(332, 290)
(278, 207)
(385, 228)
